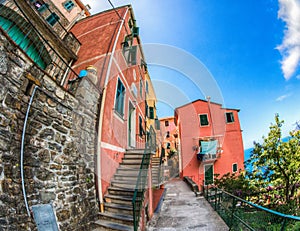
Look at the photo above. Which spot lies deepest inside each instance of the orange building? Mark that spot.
(169, 135)
(211, 140)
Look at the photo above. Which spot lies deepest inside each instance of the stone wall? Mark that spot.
(59, 145)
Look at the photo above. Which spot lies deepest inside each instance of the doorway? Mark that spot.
(131, 126)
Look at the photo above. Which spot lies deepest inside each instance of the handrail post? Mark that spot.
(216, 190)
(283, 224)
(232, 211)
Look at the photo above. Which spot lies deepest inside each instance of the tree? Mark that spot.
(275, 164)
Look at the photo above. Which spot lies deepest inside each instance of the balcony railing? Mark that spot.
(15, 23)
(240, 214)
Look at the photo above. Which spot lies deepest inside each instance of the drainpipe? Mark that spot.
(101, 113)
(23, 140)
(22, 151)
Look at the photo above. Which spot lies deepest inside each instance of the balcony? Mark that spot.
(207, 150)
(22, 29)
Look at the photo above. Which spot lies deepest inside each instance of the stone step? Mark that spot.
(117, 218)
(120, 191)
(118, 199)
(118, 208)
(108, 225)
(135, 151)
(123, 183)
(130, 165)
(132, 160)
(130, 177)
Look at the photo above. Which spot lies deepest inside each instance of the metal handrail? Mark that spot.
(140, 187)
(240, 214)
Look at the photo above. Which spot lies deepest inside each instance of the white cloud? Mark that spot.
(289, 12)
(282, 97)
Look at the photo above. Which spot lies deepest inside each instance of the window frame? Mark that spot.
(68, 8)
(151, 113)
(120, 98)
(236, 166)
(141, 127)
(203, 125)
(52, 19)
(231, 117)
(141, 88)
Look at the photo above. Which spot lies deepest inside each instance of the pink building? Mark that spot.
(112, 51)
(211, 140)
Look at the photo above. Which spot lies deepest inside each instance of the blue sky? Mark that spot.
(250, 48)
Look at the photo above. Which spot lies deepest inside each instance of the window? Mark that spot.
(166, 123)
(130, 23)
(129, 51)
(40, 7)
(168, 134)
(141, 129)
(234, 167)
(147, 87)
(151, 113)
(34, 48)
(229, 117)
(119, 103)
(203, 119)
(141, 88)
(168, 145)
(68, 5)
(52, 19)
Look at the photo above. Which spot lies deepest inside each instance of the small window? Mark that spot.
(141, 129)
(147, 87)
(168, 145)
(168, 134)
(203, 120)
(68, 5)
(234, 167)
(119, 103)
(141, 88)
(151, 112)
(229, 117)
(166, 123)
(52, 19)
(130, 23)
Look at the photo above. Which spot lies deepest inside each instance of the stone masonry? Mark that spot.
(59, 145)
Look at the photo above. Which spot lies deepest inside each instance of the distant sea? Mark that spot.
(247, 152)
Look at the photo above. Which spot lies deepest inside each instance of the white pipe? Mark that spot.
(101, 117)
(22, 151)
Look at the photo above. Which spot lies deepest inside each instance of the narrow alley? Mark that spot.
(182, 210)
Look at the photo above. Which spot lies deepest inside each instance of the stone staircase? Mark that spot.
(118, 211)
(156, 181)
